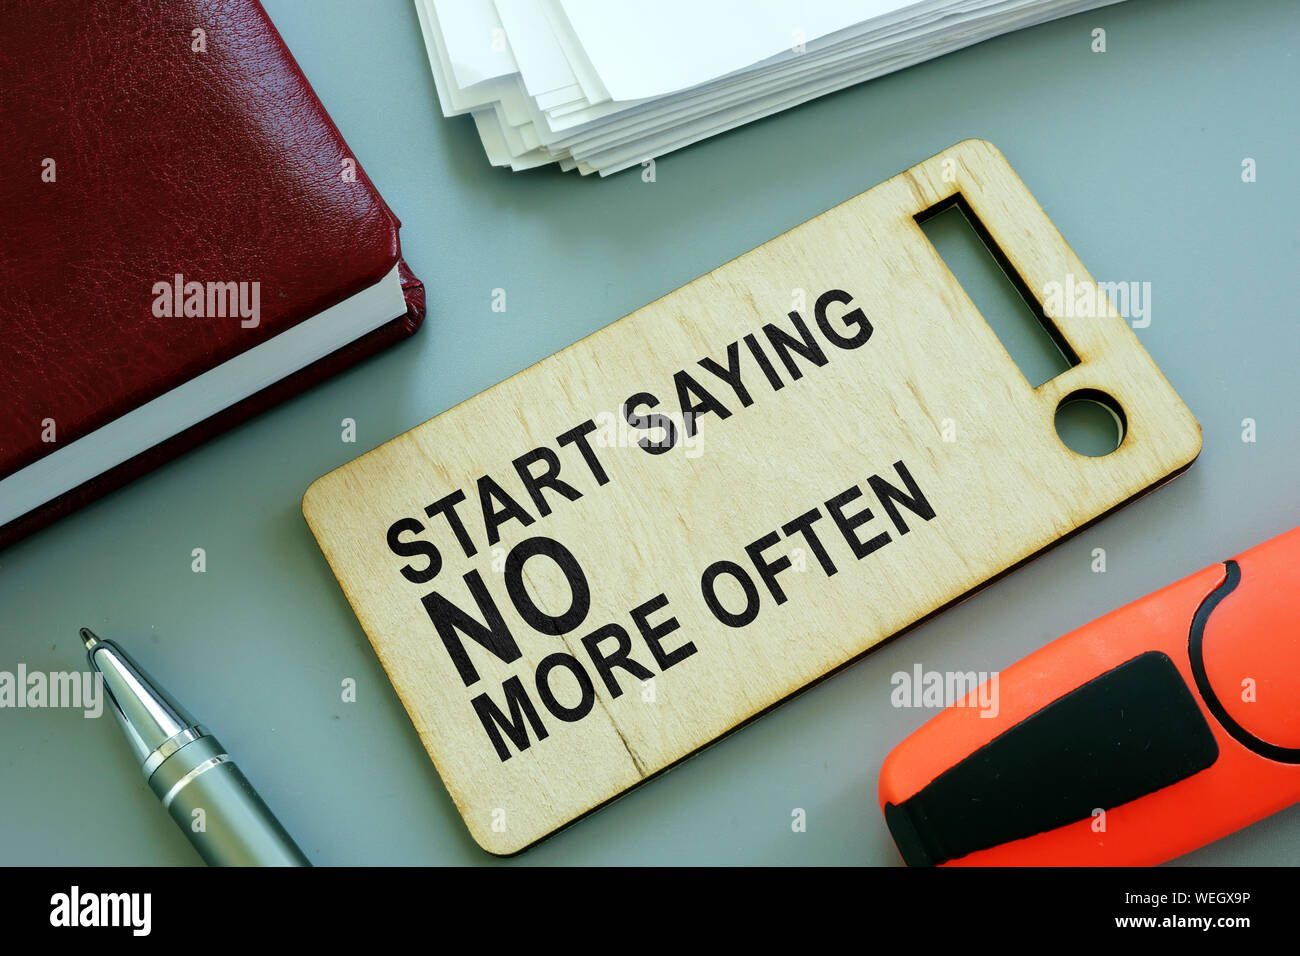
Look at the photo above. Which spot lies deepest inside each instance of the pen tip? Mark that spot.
(89, 637)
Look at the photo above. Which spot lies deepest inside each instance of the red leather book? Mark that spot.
(185, 240)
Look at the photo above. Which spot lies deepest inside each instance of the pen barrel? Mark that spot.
(214, 804)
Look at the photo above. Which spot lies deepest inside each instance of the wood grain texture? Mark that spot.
(1002, 489)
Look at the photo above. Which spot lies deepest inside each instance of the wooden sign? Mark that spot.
(590, 571)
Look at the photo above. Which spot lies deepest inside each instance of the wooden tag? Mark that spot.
(573, 587)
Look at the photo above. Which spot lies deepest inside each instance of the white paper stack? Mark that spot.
(601, 85)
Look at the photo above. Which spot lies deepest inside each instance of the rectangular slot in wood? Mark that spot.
(1007, 304)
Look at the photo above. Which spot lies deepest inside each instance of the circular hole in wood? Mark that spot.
(1090, 422)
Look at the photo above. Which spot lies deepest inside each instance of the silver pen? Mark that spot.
(189, 769)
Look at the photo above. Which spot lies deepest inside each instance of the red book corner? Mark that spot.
(146, 142)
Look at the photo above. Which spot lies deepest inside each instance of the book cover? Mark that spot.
(175, 199)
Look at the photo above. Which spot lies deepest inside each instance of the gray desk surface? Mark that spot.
(1136, 155)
